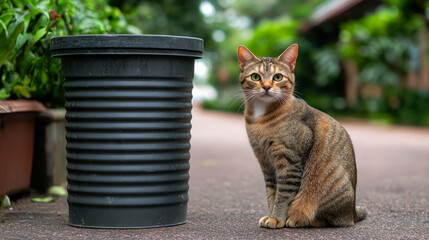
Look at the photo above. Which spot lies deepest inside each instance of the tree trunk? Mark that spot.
(351, 78)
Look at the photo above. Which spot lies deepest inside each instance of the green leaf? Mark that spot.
(6, 17)
(58, 190)
(61, 4)
(4, 28)
(18, 3)
(33, 3)
(7, 43)
(50, 4)
(4, 199)
(44, 78)
(39, 34)
(28, 63)
(4, 94)
(21, 91)
(26, 81)
(20, 41)
(44, 200)
(42, 18)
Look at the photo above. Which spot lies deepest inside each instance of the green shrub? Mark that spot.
(407, 106)
(26, 27)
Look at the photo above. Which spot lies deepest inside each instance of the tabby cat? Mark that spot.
(306, 156)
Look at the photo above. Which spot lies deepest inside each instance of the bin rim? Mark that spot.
(127, 44)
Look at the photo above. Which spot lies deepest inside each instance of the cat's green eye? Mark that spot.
(255, 77)
(278, 77)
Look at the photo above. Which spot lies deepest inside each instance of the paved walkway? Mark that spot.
(227, 195)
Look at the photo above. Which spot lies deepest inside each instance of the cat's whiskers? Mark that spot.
(295, 91)
(282, 95)
(239, 96)
(250, 96)
(297, 94)
(247, 97)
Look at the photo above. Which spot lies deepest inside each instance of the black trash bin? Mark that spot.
(128, 111)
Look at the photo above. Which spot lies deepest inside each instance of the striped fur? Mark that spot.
(306, 156)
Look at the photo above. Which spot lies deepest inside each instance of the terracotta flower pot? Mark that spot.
(17, 118)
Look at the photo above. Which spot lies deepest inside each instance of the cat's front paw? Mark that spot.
(262, 221)
(293, 223)
(273, 223)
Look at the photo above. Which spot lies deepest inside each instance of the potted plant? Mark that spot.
(17, 120)
(27, 70)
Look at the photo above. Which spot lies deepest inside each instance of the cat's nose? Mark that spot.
(266, 87)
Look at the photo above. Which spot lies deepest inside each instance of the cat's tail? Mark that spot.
(360, 213)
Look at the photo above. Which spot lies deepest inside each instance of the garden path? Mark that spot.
(227, 195)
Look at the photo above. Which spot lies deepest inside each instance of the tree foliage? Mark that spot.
(384, 45)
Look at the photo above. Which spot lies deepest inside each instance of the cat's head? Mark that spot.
(266, 78)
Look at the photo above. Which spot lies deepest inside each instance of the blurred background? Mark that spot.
(357, 58)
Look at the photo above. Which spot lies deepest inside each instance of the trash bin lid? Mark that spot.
(127, 44)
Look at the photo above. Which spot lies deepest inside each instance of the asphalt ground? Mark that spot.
(227, 195)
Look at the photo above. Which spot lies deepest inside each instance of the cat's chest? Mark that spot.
(259, 108)
(285, 133)
(263, 136)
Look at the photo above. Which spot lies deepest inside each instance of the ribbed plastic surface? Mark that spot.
(128, 132)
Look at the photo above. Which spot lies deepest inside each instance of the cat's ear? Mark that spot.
(289, 56)
(245, 56)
